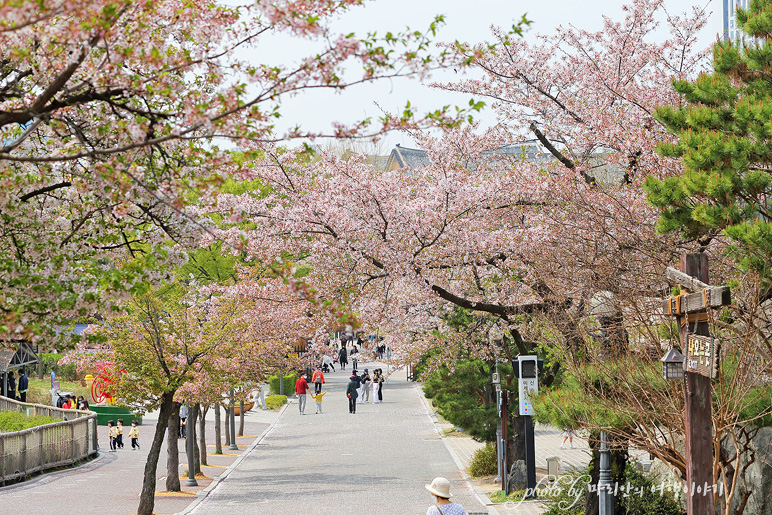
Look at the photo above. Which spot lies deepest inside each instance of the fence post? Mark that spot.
(2, 459)
(42, 454)
(23, 461)
(94, 434)
(73, 447)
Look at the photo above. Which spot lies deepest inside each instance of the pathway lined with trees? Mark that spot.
(376, 461)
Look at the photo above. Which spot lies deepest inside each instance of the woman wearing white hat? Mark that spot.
(440, 489)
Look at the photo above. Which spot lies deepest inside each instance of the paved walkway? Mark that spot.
(111, 484)
(374, 462)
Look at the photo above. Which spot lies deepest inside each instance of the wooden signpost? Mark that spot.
(700, 365)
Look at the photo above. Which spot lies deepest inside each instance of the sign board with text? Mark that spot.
(528, 382)
(701, 355)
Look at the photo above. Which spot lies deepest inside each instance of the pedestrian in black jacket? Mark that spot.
(351, 393)
(23, 386)
(11, 386)
(343, 358)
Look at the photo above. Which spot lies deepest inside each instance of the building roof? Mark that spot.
(11, 359)
(404, 157)
(528, 150)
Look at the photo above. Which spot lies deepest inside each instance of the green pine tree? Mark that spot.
(724, 142)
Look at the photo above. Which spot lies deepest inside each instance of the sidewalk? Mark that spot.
(374, 462)
(111, 484)
(547, 441)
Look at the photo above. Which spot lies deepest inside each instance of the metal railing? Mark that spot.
(48, 446)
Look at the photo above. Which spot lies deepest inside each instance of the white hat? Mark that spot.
(440, 487)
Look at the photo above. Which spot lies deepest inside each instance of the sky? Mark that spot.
(466, 20)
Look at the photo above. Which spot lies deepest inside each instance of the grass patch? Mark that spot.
(499, 496)
(275, 402)
(11, 421)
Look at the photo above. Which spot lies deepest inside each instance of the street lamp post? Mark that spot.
(496, 338)
(605, 485)
(190, 447)
(232, 414)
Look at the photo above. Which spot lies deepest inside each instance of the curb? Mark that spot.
(200, 496)
(477, 490)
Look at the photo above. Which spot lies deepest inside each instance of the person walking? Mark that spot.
(301, 389)
(119, 437)
(376, 386)
(318, 380)
(183, 417)
(112, 432)
(568, 434)
(343, 357)
(354, 357)
(327, 360)
(380, 380)
(360, 380)
(23, 386)
(11, 386)
(134, 435)
(351, 393)
(317, 397)
(260, 397)
(367, 383)
(440, 489)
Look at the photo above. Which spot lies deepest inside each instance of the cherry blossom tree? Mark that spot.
(165, 351)
(110, 113)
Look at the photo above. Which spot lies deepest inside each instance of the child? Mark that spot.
(134, 435)
(113, 432)
(119, 438)
(318, 398)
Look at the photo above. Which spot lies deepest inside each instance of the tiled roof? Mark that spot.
(529, 150)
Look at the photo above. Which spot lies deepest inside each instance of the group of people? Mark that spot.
(360, 387)
(11, 385)
(302, 389)
(339, 353)
(359, 390)
(71, 402)
(116, 435)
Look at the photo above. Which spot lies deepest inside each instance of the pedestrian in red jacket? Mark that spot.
(301, 388)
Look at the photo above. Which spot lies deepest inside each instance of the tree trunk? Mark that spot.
(202, 435)
(241, 418)
(196, 451)
(173, 451)
(147, 496)
(217, 432)
(227, 425)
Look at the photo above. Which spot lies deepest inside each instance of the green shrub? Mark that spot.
(568, 495)
(642, 494)
(484, 462)
(648, 495)
(14, 421)
(289, 384)
(275, 401)
(516, 496)
(63, 372)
